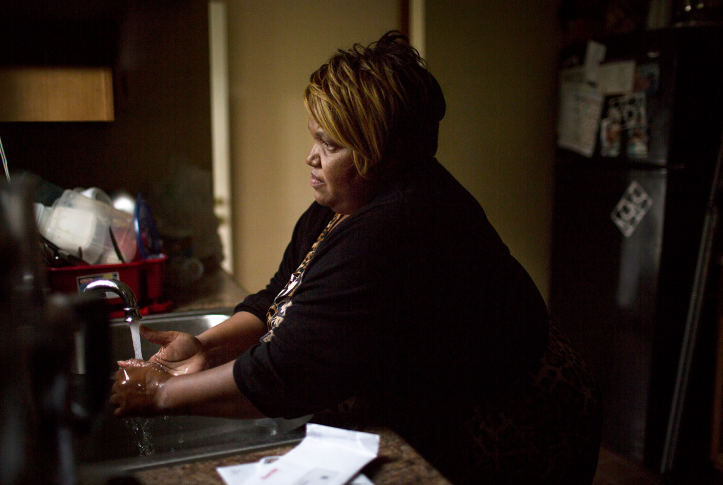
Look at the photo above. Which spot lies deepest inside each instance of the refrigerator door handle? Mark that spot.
(692, 319)
(689, 338)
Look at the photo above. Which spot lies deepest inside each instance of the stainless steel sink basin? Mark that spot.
(118, 446)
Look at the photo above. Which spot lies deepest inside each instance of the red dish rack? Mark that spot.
(145, 278)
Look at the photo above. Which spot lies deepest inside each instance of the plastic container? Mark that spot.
(87, 228)
(155, 275)
(146, 278)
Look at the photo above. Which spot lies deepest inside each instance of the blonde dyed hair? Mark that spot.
(380, 101)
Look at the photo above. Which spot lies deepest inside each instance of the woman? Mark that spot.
(396, 302)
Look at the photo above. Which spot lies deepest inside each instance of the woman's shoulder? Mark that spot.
(428, 190)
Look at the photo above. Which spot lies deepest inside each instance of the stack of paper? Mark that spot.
(328, 456)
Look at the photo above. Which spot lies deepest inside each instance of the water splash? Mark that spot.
(145, 443)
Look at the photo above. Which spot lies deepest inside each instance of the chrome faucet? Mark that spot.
(130, 304)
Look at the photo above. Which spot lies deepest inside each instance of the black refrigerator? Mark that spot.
(634, 244)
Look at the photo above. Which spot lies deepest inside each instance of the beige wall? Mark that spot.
(495, 63)
(273, 48)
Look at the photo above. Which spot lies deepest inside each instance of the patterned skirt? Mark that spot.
(544, 429)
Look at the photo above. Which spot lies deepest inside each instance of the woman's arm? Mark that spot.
(182, 353)
(229, 339)
(147, 389)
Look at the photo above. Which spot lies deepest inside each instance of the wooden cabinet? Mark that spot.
(56, 94)
(157, 54)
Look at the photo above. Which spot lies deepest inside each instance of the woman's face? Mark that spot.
(334, 178)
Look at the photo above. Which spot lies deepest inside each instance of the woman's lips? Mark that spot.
(315, 181)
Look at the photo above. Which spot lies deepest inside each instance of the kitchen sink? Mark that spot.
(118, 446)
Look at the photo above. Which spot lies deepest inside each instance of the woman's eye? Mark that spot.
(328, 146)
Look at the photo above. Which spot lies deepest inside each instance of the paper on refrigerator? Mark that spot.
(594, 56)
(616, 77)
(329, 456)
(579, 117)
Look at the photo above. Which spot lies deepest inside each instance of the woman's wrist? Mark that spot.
(209, 351)
(162, 397)
(171, 396)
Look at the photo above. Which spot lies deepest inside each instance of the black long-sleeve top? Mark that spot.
(413, 298)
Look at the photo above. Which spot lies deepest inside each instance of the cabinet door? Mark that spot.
(56, 94)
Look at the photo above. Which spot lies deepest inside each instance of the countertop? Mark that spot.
(396, 464)
(212, 291)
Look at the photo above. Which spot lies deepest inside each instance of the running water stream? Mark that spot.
(145, 443)
(136, 337)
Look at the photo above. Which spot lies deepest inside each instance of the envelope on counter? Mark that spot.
(328, 456)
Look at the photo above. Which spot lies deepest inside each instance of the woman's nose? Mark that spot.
(313, 157)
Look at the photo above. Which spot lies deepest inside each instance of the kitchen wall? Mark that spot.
(495, 62)
(273, 49)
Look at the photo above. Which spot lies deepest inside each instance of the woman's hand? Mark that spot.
(180, 353)
(147, 389)
(139, 388)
